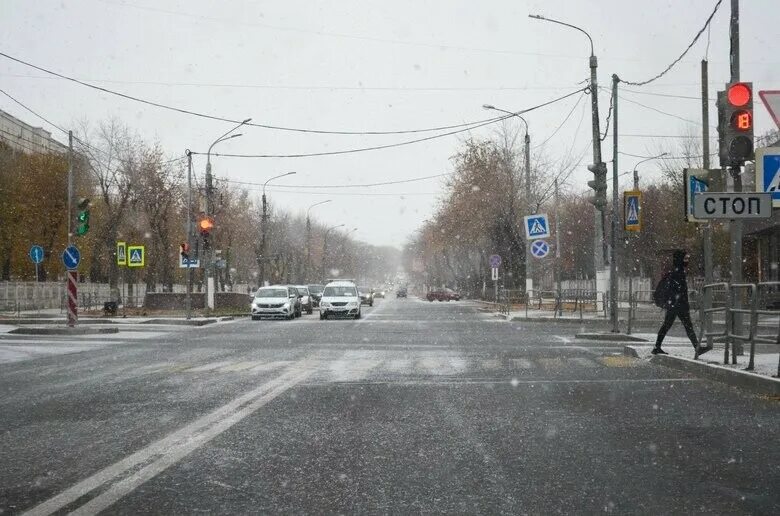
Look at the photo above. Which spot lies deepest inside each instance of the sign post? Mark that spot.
(36, 255)
(71, 258)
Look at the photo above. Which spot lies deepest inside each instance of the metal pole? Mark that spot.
(598, 229)
(189, 233)
(70, 187)
(735, 226)
(705, 122)
(529, 268)
(264, 223)
(308, 248)
(613, 272)
(558, 250)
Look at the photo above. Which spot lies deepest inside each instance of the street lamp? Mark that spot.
(636, 173)
(599, 245)
(529, 281)
(264, 225)
(308, 239)
(210, 209)
(325, 247)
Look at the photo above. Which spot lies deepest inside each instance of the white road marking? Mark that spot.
(240, 366)
(269, 366)
(490, 364)
(350, 370)
(584, 362)
(563, 339)
(160, 455)
(521, 363)
(209, 367)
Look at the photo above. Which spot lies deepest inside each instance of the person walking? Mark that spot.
(672, 295)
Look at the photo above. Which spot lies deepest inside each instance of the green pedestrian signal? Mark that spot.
(83, 217)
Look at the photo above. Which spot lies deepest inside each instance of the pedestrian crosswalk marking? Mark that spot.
(209, 367)
(521, 363)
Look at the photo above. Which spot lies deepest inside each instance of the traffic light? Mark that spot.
(205, 226)
(735, 124)
(184, 250)
(599, 185)
(82, 217)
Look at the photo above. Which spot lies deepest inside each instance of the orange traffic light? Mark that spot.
(206, 224)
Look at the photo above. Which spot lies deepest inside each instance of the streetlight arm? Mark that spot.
(540, 17)
(314, 205)
(276, 177)
(650, 159)
(494, 108)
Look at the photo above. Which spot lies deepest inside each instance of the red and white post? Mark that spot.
(73, 297)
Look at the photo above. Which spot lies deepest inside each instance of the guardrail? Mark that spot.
(735, 305)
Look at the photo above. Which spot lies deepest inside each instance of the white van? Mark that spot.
(340, 298)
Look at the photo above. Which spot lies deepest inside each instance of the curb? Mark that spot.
(181, 322)
(755, 383)
(611, 337)
(60, 330)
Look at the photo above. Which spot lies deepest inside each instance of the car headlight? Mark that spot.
(353, 304)
(324, 304)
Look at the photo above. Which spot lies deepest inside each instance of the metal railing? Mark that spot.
(735, 305)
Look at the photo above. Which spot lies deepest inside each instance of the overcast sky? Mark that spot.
(365, 65)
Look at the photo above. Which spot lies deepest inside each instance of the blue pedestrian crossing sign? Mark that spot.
(768, 173)
(36, 254)
(696, 181)
(540, 248)
(536, 226)
(136, 256)
(71, 257)
(632, 210)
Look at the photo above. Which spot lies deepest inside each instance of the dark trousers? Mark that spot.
(685, 318)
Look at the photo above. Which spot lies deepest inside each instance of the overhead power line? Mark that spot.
(673, 63)
(476, 123)
(367, 185)
(397, 144)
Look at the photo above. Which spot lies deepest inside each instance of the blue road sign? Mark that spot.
(495, 261)
(71, 257)
(536, 226)
(768, 173)
(36, 254)
(632, 210)
(540, 248)
(695, 185)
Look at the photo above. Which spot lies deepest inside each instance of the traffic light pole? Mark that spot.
(598, 222)
(189, 233)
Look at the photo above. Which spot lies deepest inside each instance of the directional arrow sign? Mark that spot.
(36, 254)
(71, 257)
(732, 205)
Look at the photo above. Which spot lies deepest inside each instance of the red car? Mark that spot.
(446, 294)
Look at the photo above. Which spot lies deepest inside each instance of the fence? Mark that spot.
(753, 300)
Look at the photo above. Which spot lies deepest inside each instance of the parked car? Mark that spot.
(275, 301)
(306, 301)
(445, 294)
(366, 296)
(340, 298)
(316, 294)
(401, 292)
(298, 305)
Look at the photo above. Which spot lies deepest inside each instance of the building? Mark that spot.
(762, 246)
(23, 137)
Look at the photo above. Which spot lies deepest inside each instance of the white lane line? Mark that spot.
(399, 365)
(240, 366)
(584, 362)
(563, 339)
(490, 364)
(269, 366)
(208, 367)
(158, 456)
(521, 363)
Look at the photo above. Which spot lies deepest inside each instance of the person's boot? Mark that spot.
(658, 351)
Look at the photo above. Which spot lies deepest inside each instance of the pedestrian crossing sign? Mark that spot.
(536, 226)
(632, 210)
(121, 253)
(136, 256)
(768, 173)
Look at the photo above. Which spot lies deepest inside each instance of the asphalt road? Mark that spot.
(418, 407)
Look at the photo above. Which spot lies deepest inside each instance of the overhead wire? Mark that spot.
(396, 144)
(681, 56)
(366, 185)
(562, 123)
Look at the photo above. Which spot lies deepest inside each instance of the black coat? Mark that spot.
(677, 290)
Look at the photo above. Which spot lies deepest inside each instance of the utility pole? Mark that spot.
(70, 187)
(307, 272)
(529, 267)
(189, 233)
(599, 249)
(705, 122)
(613, 271)
(263, 224)
(208, 252)
(735, 226)
(558, 250)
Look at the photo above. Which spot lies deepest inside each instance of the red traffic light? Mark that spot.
(739, 94)
(184, 248)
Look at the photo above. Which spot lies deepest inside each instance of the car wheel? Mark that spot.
(255, 317)
(359, 315)
(322, 316)
(310, 311)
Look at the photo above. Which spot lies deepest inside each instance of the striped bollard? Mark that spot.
(73, 307)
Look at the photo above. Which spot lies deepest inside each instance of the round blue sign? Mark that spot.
(495, 261)
(36, 254)
(539, 248)
(71, 257)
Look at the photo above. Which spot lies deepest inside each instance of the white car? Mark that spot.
(307, 303)
(277, 301)
(340, 298)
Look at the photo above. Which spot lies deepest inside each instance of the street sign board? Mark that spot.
(768, 173)
(698, 180)
(536, 226)
(189, 263)
(771, 100)
(494, 273)
(121, 253)
(732, 205)
(71, 257)
(495, 261)
(36, 254)
(632, 210)
(136, 256)
(539, 248)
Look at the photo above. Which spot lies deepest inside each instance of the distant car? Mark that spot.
(379, 293)
(340, 298)
(366, 296)
(306, 301)
(401, 292)
(275, 301)
(445, 294)
(316, 294)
